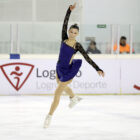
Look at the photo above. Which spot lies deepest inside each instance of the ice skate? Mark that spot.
(47, 121)
(74, 101)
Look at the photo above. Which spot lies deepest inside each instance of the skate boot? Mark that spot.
(74, 101)
(47, 121)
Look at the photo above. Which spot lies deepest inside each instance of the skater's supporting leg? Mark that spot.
(60, 88)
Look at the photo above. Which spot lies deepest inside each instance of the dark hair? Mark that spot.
(123, 38)
(75, 26)
(93, 43)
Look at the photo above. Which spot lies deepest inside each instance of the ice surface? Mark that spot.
(94, 118)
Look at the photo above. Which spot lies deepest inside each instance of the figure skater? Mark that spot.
(67, 67)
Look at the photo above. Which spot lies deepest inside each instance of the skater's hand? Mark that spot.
(72, 6)
(101, 73)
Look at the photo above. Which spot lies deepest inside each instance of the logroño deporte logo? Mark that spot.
(17, 73)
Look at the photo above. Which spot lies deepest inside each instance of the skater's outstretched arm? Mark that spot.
(88, 59)
(65, 23)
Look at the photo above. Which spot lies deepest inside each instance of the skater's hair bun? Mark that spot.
(75, 26)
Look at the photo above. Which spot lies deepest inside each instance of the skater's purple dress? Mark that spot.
(66, 70)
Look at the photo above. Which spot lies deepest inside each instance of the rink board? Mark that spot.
(38, 76)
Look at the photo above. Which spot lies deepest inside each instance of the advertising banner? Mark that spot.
(130, 76)
(38, 76)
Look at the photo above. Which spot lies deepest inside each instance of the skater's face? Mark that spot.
(73, 33)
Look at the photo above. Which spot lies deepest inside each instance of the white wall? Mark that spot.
(111, 11)
(121, 74)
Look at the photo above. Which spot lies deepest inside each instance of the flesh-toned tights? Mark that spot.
(62, 86)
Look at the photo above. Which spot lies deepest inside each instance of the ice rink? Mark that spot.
(94, 118)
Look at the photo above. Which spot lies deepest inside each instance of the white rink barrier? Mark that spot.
(36, 75)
